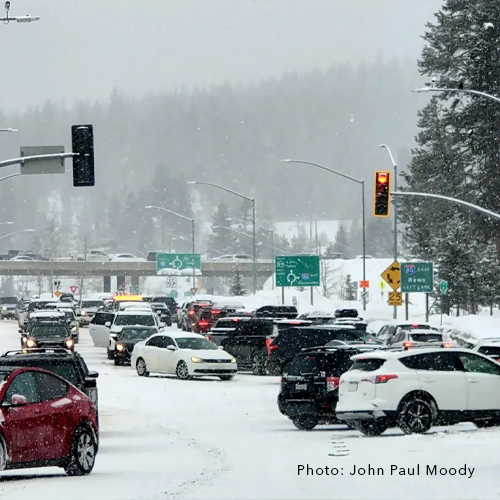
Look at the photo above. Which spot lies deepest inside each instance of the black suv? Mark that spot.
(168, 301)
(47, 334)
(70, 366)
(283, 346)
(126, 340)
(249, 340)
(285, 312)
(163, 312)
(309, 386)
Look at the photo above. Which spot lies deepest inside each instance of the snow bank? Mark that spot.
(170, 271)
(470, 328)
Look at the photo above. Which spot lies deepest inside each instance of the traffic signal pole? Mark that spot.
(395, 229)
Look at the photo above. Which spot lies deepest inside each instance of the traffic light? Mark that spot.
(382, 201)
(83, 164)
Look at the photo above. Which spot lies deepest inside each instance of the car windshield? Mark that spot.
(53, 331)
(134, 319)
(64, 369)
(426, 337)
(8, 300)
(91, 303)
(195, 343)
(136, 333)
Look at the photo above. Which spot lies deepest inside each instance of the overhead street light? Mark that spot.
(429, 87)
(17, 232)
(9, 130)
(6, 223)
(18, 19)
(252, 200)
(192, 232)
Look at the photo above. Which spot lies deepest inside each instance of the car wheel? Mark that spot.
(111, 354)
(492, 422)
(3, 454)
(142, 369)
(82, 453)
(258, 367)
(370, 427)
(415, 417)
(118, 362)
(182, 370)
(226, 377)
(306, 423)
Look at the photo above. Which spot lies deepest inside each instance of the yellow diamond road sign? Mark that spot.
(57, 293)
(392, 275)
(395, 299)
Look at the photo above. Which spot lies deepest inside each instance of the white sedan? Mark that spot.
(183, 354)
(126, 257)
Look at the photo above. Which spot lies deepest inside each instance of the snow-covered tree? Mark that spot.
(237, 288)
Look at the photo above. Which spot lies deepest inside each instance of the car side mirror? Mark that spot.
(93, 374)
(90, 382)
(113, 335)
(171, 348)
(21, 331)
(18, 400)
(107, 324)
(162, 325)
(220, 347)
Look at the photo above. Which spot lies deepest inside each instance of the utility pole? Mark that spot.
(85, 251)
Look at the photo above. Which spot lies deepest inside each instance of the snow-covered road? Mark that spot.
(162, 438)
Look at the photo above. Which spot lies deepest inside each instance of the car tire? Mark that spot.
(258, 367)
(226, 377)
(4, 457)
(82, 452)
(482, 424)
(118, 362)
(182, 371)
(370, 427)
(111, 354)
(141, 368)
(415, 416)
(305, 423)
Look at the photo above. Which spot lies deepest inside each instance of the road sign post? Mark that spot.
(297, 270)
(417, 277)
(443, 288)
(395, 299)
(177, 264)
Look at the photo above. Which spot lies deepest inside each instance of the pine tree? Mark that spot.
(349, 289)
(340, 244)
(237, 288)
(221, 240)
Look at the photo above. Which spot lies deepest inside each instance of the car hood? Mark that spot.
(207, 354)
(51, 340)
(130, 342)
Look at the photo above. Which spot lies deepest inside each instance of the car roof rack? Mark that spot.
(371, 347)
(37, 350)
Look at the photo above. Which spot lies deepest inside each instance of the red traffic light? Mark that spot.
(382, 204)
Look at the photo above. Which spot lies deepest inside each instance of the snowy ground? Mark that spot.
(162, 438)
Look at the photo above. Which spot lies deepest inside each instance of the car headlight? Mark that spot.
(73, 329)
(84, 313)
(4, 308)
(233, 360)
(196, 360)
(69, 343)
(119, 347)
(30, 343)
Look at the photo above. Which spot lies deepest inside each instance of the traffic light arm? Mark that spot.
(15, 161)
(494, 215)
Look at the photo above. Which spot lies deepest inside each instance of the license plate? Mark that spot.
(352, 387)
(301, 387)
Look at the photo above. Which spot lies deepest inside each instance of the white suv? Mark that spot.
(417, 388)
(415, 337)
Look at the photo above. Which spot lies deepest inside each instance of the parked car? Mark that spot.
(309, 385)
(8, 307)
(185, 355)
(88, 308)
(56, 420)
(126, 340)
(414, 389)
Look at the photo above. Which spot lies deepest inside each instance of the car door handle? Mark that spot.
(473, 380)
(37, 410)
(429, 379)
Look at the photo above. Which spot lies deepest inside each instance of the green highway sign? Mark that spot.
(176, 263)
(297, 270)
(417, 277)
(443, 287)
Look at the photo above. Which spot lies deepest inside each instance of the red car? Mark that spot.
(45, 422)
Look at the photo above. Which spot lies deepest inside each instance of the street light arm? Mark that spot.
(462, 91)
(245, 222)
(170, 212)
(9, 177)
(223, 189)
(323, 168)
(447, 198)
(17, 232)
(388, 149)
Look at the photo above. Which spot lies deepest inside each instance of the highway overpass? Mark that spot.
(126, 269)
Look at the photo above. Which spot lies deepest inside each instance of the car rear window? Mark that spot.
(414, 326)
(225, 323)
(368, 365)
(426, 337)
(489, 350)
(302, 365)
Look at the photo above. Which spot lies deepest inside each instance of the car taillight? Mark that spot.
(191, 313)
(270, 346)
(236, 319)
(406, 345)
(208, 337)
(382, 379)
(202, 323)
(214, 311)
(332, 383)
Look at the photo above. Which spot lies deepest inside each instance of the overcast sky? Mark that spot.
(81, 49)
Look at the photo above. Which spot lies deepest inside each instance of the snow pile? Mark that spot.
(470, 328)
(170, 271)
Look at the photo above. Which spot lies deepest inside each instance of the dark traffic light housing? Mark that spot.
(83, 162)
(382, 201)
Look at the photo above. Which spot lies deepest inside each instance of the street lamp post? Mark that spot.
(431, 88)
(395, 215)
(17, 19)
(270, 231)
(361, 182)
(252, 200)
(192, 233)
